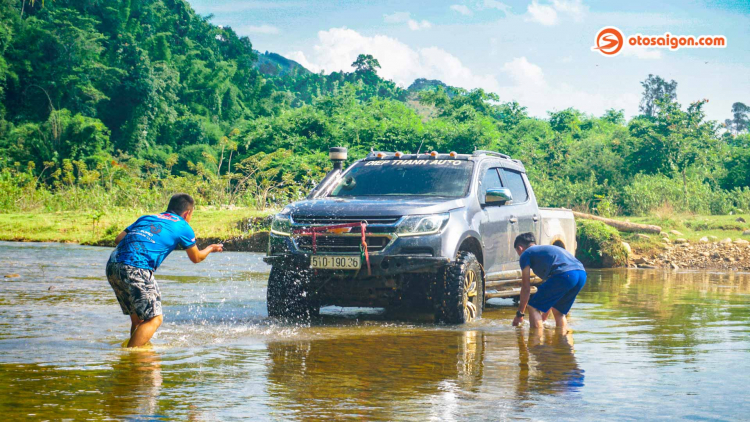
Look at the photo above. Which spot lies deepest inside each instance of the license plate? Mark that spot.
(331, 262)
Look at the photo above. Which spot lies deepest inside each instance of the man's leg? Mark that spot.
(535, 317)
(134, 323)
(560, 320)
(144, 331)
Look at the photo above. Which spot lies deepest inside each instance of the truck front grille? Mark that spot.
(342, 244)
(323, 220)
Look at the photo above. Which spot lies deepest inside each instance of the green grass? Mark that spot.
(77, 227)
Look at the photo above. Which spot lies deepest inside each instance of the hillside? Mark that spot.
(277, 65)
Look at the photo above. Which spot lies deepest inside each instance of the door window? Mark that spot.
(491, 180)
(516, 185)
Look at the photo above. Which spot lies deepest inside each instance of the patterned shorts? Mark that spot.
(136, 290)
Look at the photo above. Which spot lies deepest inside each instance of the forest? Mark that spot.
(124, 102)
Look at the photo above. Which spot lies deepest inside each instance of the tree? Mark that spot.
(365, 63)
(655, 89)
(739, 121)
(614, 116)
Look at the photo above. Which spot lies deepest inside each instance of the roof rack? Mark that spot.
(492, 153)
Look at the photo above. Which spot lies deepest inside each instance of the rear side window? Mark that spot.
(490, 180)
(517, 187)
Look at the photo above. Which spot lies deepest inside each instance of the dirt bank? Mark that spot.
(727, 255)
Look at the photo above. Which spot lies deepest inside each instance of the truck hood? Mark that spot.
(372, 206)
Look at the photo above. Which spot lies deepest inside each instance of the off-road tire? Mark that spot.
(290, 294)
(460, 287)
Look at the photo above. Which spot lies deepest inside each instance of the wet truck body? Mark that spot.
(431, 231)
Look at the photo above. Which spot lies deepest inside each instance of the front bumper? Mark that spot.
(381, 265)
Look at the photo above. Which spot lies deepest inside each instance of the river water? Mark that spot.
(645, 344)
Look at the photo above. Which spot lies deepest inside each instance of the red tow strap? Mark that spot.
(313, 231)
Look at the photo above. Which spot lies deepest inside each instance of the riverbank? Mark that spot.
(240, 229)
(691, 241)
(686, 241)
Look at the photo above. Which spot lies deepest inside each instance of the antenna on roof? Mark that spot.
(420, 146)
(372, 149)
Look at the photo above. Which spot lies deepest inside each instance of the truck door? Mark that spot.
(494, 225)
(524, 211)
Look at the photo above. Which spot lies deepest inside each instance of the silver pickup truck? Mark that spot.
(427, 230)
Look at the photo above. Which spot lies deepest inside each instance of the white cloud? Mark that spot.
(546, 15)
(575, 8)
(337, 48)
(261, 29)
(494, 4)
(522, 80)
(413, 24)
(462, 9)
(641, 53)
(549, 14)
(531, 89)
(397, 17)
(416, 26)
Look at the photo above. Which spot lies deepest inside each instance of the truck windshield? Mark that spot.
(446, 178)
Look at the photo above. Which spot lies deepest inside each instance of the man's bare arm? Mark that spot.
(120, 236)
(525, 293)
(197, 255)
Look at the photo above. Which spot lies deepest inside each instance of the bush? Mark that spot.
(599, 245)
(648, 193)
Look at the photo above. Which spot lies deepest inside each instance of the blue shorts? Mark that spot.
(559, 292)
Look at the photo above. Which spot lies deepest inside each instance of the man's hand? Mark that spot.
(197, 255)
(517, 321)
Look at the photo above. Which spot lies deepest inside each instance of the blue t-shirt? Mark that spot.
(151, 238)
(547, 261)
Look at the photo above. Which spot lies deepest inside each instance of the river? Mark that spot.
(645, 344)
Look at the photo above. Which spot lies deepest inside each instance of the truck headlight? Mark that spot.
(416, 225)
(281, 225)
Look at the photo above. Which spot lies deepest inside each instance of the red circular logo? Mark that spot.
(609, 41)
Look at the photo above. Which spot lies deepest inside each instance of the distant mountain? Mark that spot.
(423, 84)
(276, 64)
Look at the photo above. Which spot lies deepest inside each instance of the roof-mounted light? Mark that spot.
(434, 154)
(380, 155)
(453, 154)
(398, 154)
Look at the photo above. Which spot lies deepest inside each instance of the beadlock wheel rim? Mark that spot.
(470, 291)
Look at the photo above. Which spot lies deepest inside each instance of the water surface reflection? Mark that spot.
(644, 343)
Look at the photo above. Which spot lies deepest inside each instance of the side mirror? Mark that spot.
(499, 196)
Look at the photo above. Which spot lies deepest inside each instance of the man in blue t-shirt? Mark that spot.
(563, 276)
(141, 248)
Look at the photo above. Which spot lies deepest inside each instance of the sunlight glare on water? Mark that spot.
(646, 344)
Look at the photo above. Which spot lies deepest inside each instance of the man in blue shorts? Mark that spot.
(141, 248)
(563, 277)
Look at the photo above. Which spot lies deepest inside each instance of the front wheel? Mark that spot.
(290, 294)
(459, 295)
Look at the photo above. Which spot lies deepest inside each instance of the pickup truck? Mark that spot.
(432, 231)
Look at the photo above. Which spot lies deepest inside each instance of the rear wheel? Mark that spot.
(290, 294)
(459, 295)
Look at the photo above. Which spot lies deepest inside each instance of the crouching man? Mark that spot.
(563, 276)
(141, 248)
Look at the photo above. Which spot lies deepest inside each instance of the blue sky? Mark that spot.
(536, 52)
